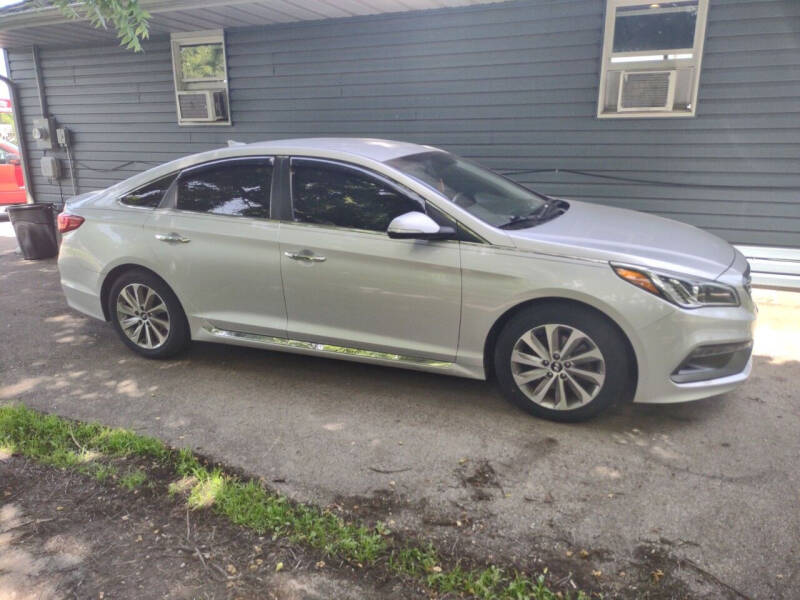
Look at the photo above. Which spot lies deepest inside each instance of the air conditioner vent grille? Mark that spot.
(647, 90)
(193, 106)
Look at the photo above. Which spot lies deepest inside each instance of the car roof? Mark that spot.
(336, 148)
(371, 148)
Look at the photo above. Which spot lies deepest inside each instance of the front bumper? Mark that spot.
(667, 343)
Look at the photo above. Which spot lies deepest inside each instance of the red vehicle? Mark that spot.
(12, 184)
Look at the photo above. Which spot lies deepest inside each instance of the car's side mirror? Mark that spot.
(418, 226)
(13, 159)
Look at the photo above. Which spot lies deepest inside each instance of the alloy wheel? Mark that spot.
(143, 315)
(558, 366)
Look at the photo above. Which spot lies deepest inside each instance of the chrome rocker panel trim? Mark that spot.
(389, 359)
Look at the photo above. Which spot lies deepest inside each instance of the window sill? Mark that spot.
(646, 114)
(205, 123)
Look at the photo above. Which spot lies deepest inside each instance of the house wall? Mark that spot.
(512, 85)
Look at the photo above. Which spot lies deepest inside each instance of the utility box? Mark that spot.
(42, 133)
(63, 137)
(51, 167)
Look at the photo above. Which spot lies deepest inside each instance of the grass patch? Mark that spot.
(101, 472)
(67, 444)
(133, 479)
(62, 443)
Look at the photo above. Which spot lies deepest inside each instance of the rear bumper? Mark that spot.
(81, 288)
(82, 300)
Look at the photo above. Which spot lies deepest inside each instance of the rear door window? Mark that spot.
(239, 188)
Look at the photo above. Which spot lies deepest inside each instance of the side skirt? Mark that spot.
(239, 338)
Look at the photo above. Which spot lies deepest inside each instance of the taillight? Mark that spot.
(68, 222)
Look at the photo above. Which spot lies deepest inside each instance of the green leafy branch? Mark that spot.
(127, 17)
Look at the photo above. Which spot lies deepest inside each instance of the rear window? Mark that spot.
(150, 195)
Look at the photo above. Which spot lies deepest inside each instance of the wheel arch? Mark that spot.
(116, 273)
(497, 327)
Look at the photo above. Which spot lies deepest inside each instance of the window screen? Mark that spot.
(236, 188)
(150, 195)
(665, 26)
(333, 195)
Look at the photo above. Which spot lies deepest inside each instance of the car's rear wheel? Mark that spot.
(147, 315)
(563, 363)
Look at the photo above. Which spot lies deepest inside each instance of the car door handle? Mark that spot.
(172, 238)
(304, 257)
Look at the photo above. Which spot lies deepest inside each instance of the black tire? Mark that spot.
(616, 368)
(177, 337)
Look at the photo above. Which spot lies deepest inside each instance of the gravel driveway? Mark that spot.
(712, 486)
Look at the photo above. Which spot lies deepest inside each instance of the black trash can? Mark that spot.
(35, 228)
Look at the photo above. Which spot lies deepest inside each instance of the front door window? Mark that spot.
(328, 194)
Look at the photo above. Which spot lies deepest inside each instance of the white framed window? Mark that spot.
(200, 70)
(652, 53)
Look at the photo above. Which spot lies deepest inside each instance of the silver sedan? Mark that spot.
(405, 255)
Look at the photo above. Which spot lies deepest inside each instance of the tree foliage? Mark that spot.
(127, 17)
(202, 61)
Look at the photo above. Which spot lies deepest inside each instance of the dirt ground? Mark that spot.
(64, 535)
(705, 491)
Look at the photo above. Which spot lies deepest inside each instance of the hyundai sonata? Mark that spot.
(405, 255)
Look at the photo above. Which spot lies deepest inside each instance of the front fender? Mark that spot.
(499, 280)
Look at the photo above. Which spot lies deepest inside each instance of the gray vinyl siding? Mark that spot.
(512, 85)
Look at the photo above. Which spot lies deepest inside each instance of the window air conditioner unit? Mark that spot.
(646, 91)
(203, 105)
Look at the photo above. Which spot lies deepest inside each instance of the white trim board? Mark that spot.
(773, 267)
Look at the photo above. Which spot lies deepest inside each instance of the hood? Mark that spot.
(607, 233)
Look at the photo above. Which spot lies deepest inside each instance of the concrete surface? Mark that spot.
(715, 482)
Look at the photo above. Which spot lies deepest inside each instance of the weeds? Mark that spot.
(66, 444)
(133, 479)
(101, 472)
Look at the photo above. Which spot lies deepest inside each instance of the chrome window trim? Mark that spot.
(336, 228)
(483, 241)
(380, 234)
(250, 157)
(179, 211)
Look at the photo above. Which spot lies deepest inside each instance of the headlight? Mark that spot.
(685, 291)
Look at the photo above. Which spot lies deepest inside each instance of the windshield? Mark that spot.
(486, 195)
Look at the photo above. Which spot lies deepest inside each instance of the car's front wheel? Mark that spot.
(147, 315)
(562, 362)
